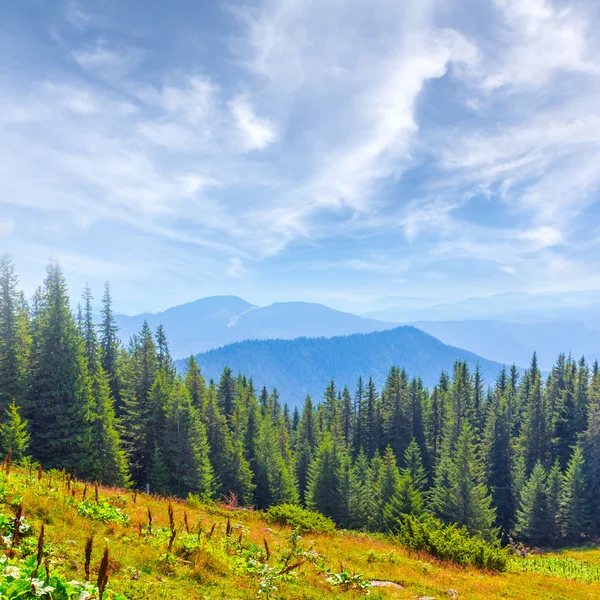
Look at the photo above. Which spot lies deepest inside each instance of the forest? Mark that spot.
(518, 457)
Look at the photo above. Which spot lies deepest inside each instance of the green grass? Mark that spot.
(236, 554)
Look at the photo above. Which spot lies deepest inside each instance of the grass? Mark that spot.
(236, 554)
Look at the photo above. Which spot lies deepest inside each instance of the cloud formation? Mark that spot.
(305, 133)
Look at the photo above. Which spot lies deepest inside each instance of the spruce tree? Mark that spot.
(413, 466)
(590, 447)
(554, 486)
(109, 348)
(324, 490)
(574, 510)
(14, 337)
(195, 384)
(14, 435)
(59, 406)
(406, 501)
(185, 446)
(533, 522)
(361, 493)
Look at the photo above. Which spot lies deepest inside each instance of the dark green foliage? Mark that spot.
(574, 510)
(522, 457)
(450, 542)
(13, 434)
(533, 520)
(305, 521)
(59, 404)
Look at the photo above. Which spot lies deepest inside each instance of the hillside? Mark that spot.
(305, 366)
(213, 322)
(206, 563)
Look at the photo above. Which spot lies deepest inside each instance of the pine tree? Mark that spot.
(60, 396)
(406, 501)
(109, 348)
(185, 446)
(458, 496)
(533, 520)
(413, 466)
(158, 478)
(226, 394)
(13, 434)
(574, 510)
(142, 401)
(195, 384)
(274, 482)
(498, 460)
(590, 447)
(554, 485)
(109, 459)
(14, 337)
(535, 437)
(324, 490)
(361, 493)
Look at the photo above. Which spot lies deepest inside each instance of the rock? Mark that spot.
(424, 598)
(452, 593)
(390, 584)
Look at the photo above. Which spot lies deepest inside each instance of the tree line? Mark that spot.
(518, 457)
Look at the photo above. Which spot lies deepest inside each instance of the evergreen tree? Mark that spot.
(195, 384)
(13, 434)
(413, 466)
(533, 522)
(406, 501)
(324, 485)
(554, 485)
(60, 395)
(590, 448)
(14, 337)
(109, 348)
(226, 394)
(458, 496)
(185, 446)
(158, 474)
(274, 482)
(574, 510)
(361, 493)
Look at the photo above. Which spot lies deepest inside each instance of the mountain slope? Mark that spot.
(301, 366)
(218, 320)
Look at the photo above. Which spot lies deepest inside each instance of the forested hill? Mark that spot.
(306, 365)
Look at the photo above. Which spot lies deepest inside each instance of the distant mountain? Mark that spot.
(218, 320)
(301, 366)
(521, 307)
(515, 342)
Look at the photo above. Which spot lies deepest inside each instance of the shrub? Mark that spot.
(303, 520)
(103, 511)
(451, 543)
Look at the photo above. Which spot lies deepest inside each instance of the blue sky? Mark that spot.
(331, 151)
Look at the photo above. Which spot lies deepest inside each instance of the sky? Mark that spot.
(333, 151)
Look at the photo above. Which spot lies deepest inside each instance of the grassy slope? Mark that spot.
(210, 571)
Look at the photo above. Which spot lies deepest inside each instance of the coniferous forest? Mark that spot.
(515, 457)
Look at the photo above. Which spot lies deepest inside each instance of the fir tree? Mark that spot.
(14, 337)
(574, 510)
(533, 521)
(109, 348)
(324, 490)
(60, 395)
(590, 448)
(14, 435)
(413, 466)
(185, 446)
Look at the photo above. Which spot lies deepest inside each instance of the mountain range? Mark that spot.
(506, 328)
(218, 320)
(306, 365)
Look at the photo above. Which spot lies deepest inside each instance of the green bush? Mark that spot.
(451, 543)
(103, 511)
(299, 518)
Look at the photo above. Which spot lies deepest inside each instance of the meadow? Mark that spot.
(175, 550)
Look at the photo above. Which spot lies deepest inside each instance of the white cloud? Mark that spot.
(257, 133)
